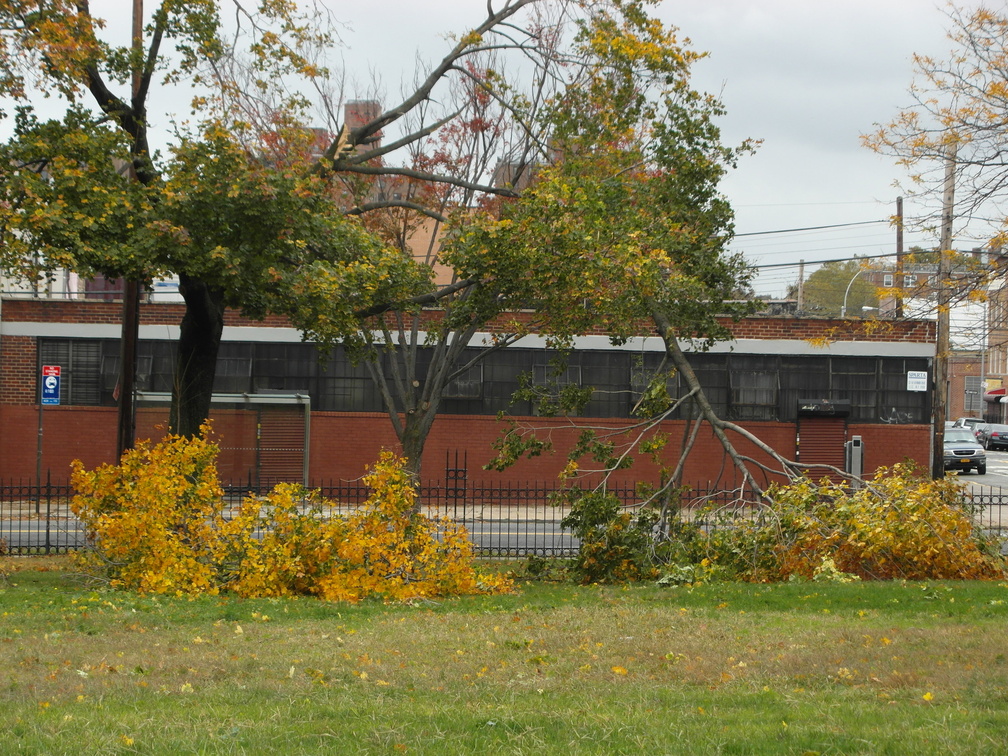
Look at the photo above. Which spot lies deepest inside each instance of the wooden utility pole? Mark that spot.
(130, 335)
(899, 257)
(939, 396)
(801, 286)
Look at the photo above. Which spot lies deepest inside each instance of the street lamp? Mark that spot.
(843, 307)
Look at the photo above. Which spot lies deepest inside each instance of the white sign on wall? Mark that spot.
(917, 380)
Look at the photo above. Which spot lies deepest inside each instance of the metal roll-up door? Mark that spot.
(281, 444)
(821, 442)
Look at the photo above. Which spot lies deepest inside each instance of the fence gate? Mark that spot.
(456, 483)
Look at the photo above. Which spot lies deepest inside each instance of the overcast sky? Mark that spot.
(806, 77)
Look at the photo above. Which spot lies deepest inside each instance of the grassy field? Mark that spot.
(736, 669)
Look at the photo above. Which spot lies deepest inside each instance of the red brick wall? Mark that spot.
(885, 445)
(18, 369)
(89, 434)
(960, 366)
(343, 445)
(68, 433)
(760, 327)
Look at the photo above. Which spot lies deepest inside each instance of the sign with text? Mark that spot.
(50, 384)
(917, 380)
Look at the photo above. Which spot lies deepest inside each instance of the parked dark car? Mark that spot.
(993, 436)
(962, 452)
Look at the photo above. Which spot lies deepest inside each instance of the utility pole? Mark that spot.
(800, 305)
(899, 256)
(940, 391)
(130, 335)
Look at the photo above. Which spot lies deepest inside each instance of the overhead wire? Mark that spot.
(814, 242)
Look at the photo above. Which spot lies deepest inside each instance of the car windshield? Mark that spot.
(959, 434)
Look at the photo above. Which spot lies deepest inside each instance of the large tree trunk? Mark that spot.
(196, 362)
(416, 429)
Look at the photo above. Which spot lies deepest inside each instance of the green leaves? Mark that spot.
(68, 202)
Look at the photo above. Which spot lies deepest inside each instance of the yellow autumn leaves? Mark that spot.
(159, 525)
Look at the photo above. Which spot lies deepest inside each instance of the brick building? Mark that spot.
(819, 380)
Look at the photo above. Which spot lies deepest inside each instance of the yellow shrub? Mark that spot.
(154, 518)
(391, 550)
(158, 526)
(897, 526)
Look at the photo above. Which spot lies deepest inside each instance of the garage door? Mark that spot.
(821, 442)
(281, 444)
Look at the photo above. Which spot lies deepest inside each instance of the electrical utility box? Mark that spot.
(854, 457)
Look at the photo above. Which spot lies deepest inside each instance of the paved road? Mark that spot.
(997, 472)
(491, 537)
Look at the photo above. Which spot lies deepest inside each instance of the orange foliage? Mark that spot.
(899, 526)
(158, 525)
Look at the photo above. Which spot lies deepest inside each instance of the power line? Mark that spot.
(812, 228)
(821, 262)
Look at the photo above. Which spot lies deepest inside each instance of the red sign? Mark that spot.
(50, 370)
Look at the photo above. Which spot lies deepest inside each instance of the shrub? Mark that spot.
(899, 525)
(155, 518)
(616, 545)
(157, 523)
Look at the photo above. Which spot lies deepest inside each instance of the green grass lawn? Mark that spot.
(798, 668)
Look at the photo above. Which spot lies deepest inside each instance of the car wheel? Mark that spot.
(982, 469)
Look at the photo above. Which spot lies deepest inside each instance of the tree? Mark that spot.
(243, 209)
(235, 223)
(587, 197)
(638, 234)
(622, 185)
(825, 289)
(533, 251)
(958, 102)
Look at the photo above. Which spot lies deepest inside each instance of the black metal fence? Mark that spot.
(517, 520)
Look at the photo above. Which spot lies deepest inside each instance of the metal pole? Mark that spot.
(130, 334)
(843, 307)
(801, 286)
(939, 400)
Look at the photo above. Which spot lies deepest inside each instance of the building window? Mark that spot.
(909, 282)
(552, 378)
(856, 379)
(80, 362)
(973, 398)
(753, 394)
(887, 280)
(466, 385)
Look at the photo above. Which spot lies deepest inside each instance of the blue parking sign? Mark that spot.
(50, 384)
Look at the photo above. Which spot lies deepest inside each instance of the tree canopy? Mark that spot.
(557, 161)
(962, 102)
(834, 284)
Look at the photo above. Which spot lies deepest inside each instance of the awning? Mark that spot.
(996, 395)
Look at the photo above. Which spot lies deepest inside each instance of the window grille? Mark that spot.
(754, 394)
(80, 360)
(234, 368)
(467, 385)
(744, 387)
